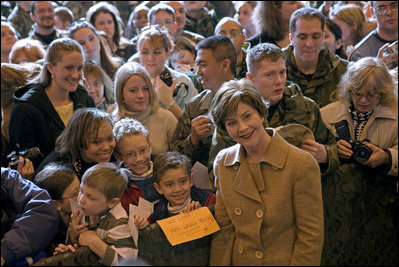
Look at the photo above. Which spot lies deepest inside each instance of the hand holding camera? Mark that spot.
(22, 161)
(164, 86)
(389, 54)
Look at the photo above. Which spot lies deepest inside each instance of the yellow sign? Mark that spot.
(189, 226)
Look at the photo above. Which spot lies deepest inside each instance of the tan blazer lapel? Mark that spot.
(244, 184)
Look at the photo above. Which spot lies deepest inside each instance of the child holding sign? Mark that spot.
(173, 180)
(100, 191)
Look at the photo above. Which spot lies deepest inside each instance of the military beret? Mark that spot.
(295, 133)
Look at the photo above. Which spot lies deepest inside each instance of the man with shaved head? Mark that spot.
(233, 29)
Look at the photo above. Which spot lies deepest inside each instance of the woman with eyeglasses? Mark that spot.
(136, 98)
(88, 37)
(62, 184)
(361, 199)
(174, 89)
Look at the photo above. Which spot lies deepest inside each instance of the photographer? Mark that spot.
(361, 199)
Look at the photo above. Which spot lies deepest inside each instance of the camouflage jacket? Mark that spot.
(293, 108)
(181, 141)
(322, 87)
(205, 25)
(21, 22)
(241, 70)
(196, 38)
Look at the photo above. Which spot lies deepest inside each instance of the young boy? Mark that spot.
(173, 180)
(99, 197)
(133, 148)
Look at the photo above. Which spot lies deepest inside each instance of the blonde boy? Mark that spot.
(101, 188)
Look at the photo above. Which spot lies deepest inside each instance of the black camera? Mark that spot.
(361, 152)
(166, 77)
(32, 154)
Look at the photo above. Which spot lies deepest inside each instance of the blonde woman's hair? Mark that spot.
(368, 73)
(80, 131)
(230, 95)
(55, 51)
(122, 76)
(32, 49)
(108, 178)
(156, 36)
(90, 68)
(350, 14)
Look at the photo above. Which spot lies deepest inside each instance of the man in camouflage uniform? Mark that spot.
(267, 70)
(216, 59)
(20, 18)
(309, 63)
(199, 19)
(42, 13)
(233, 29)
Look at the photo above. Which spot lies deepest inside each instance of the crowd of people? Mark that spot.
(291, 106)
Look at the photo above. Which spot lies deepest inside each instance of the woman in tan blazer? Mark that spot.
(268, 198)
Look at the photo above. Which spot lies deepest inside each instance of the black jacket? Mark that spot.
(34, 121)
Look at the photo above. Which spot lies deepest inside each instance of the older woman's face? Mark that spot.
(136, 94)
(245, 125)
(365, 100)
(153, 57)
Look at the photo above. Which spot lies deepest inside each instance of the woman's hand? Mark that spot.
(344, 149)
(164, 92)
(64, 248)
(390, 60)
(25, 168)
(377, 158)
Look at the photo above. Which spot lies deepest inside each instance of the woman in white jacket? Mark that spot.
(361, 199)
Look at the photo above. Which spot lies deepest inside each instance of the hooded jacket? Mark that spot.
(34, 121)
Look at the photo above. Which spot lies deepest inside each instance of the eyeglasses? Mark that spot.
(382, 9)
(368, 96)
(161, 22)
(131, 154)
(75, 195)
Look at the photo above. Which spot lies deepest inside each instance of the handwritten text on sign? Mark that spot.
(189, 226)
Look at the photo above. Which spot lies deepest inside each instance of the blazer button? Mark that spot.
(238, 211)
(240, 249)
(259, 214)
(259, 254)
